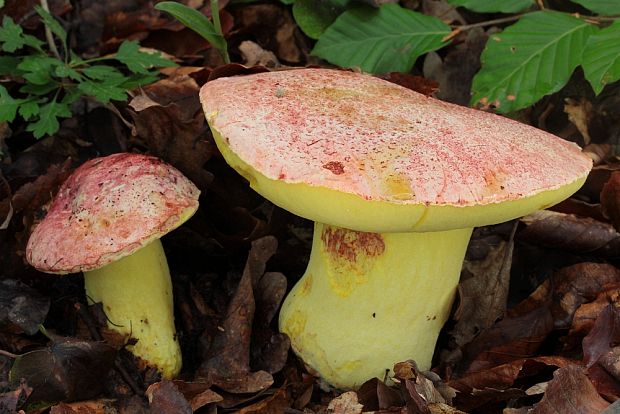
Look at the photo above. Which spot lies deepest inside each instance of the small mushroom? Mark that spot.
(106, 221)
(395, 181)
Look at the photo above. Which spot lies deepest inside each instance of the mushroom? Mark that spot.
(395, 181)
(106, 221)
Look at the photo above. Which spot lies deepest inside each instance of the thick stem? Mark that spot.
(136, 292)
(369, 300)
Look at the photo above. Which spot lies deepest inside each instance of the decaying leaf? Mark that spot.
(11, 400)
(603, 336)
(22, 306)
(572, 286)
(198, 394)
(84, 407)
(253, 54)
(570, 233)
(165, 398)
(482, 292)
(68, 370)
(509, 339)
(276, 403)
(170, 120)
(345, 403)
(580, 113)
(610, 199)
(570, 392)
(227, 363)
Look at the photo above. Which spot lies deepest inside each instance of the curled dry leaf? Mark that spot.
(345, 403)
(84, 407)
(571, 233)
(198, 394)
(276, 403)
(572, 286)
(580, 114)
(586, 314)
(10, 400)
(603, 336)
(570, 392)
(165, 398)
(228, 360)
(496, 383)
(254, 55)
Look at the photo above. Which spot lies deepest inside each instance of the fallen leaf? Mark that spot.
(227, 363)
(415, 83)
(510, 339)
(586, 314)
(165, 398)
(198, 394)
(570, 233)
(610, 199)
(482, 292)
(603, 336)
(68, 370)
(276, 403)
(171, 123)
(22, 306)
(580, 114)
(571, 287)
(254, 55)
(84, 407)
(11, 400)
(497, 383)
(345, 403)
(570, 392)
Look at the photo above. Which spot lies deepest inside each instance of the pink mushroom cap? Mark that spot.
(368, 138)
(109, 208)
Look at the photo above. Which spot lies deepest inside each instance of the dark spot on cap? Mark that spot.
(335, 167)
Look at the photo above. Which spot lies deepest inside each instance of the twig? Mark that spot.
(48, 32)
(488, 22)
(8, 354)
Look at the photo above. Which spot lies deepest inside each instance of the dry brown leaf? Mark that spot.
(579, 113)
(610, 199)
(84, 407)
(197, 393)
(586, 314)
(572, 286)
(603, 336)
(173, 126)
(482, 292)
(276, 403)
(571, 233)
(441, 408)
(228, 360)
(509, 339)
(570, 392)
(345, 403)
(10, 400)
(165, 398)
(254, 55)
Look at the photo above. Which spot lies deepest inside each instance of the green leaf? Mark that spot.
(494, 6)
(8, 105)
(12, 37)
(102, 91)
(140, 79)
(102, 72)
(387, 39)
(35, 89)
(65, 71)
(604, 7)
(194, 20)
(315, 16)
(140, 62)
(38, 69)
(601, 58)
(29, 108)
(47, 123)
(8, 65)
(530, 59)
(52, 24)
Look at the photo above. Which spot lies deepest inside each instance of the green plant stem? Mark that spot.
(215, 15)
(48, 32)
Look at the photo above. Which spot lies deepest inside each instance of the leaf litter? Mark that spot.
(554, 350)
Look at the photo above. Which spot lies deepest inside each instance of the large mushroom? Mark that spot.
(106, 221)
(395, 181)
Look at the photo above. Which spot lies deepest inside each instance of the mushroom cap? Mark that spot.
(109, 208)
(389, 158)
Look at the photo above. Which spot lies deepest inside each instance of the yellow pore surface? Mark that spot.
(136, 292)
(353, 212)
(370, 300)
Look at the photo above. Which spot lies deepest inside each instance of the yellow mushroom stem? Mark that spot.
(136, 293)
(369, 300)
